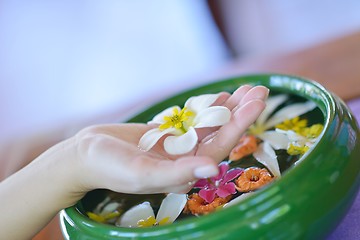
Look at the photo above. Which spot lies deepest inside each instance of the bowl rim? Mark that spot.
(313, 91)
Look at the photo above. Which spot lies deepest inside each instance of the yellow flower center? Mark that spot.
(300, 127)
(294, 124)
(103, 218)
(151, 221)
(256, 129)
(313, 131)
(296, 150)
(177, 119)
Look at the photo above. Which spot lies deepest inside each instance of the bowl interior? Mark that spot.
(299, 89)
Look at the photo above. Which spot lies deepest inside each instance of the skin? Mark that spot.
(107, 156)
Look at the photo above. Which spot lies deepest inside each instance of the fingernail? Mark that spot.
(206, 171)
(267, 92)
(262, 94)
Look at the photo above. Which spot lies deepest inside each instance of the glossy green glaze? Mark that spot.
(306, 203)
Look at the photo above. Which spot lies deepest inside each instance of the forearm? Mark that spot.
(32, 197)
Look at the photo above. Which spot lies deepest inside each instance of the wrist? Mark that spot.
(41, 189)
(61, 164)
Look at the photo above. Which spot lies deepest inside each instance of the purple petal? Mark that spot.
(208, 195)
(223, 168)
(201, 183)
(226, 190)
(232, 174)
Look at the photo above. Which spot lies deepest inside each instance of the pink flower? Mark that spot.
(220, 185)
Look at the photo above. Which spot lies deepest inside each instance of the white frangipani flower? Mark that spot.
(142, 215)
(300, 143)
(265, 155)
(181, 124)
(106, 211)
(275, 140)
(265, 121)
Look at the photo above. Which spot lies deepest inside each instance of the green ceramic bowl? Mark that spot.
(306, 203)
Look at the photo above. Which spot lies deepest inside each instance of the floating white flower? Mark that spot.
(300, 141)
(181, 124)
(275, 140)
(105, 212)
(265, 121)
(142, 215)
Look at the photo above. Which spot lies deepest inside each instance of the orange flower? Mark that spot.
(253, 178)
(198, 206)
(246, 146)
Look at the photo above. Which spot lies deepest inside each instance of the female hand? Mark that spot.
(109, 156)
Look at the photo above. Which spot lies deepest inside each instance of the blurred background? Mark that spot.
(64, 61)
(65, 64)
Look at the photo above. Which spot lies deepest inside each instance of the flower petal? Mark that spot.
(271, 104)
(293, 136)
(139, 212)
(207, 194)
(289, 112)
(198, 103)
(171, 207)
(276, 139)
(232, 174)
(212, 116)
(201, 183)
(181, 144)
(101, 205)
(226, 190)
(151, 137)
(223, 168)
(159, 118)
(238, 199)
(111, 207)
(266, 156)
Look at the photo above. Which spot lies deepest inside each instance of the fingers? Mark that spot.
(258, 92)
(236, 97)
(221, 142)
(111, 163)
(222, 98)
(241, 96)
(249, 104)
(159, 176)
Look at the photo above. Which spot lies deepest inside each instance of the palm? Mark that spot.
(116, 156)
(213, 142)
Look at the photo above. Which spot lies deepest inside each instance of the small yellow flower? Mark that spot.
(103, 218)
(294, 124)
(177, 119)
(297, 150)
(313, 131)
(151, 221)
(302, 141)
